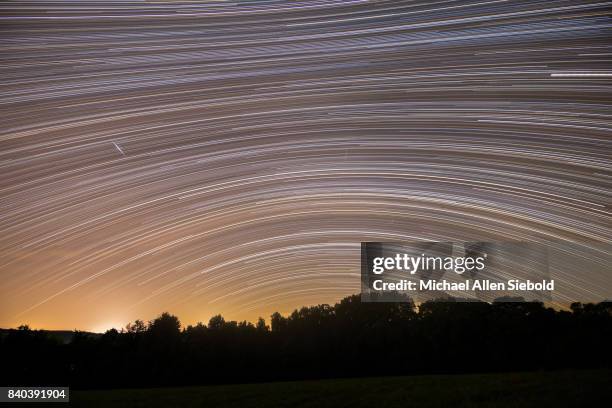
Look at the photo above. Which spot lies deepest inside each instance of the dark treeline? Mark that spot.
(349, 339)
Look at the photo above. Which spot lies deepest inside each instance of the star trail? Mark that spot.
(229, 157)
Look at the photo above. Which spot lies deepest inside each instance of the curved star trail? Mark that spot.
(229, 157)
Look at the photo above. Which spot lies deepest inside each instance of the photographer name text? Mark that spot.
(467, 285)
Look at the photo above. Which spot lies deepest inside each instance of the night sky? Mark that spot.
(229, 157)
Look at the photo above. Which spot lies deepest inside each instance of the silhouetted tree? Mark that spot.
(261, 325)
(165, 325)
(137, 327)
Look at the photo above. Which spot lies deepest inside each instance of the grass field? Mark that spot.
(550, 389)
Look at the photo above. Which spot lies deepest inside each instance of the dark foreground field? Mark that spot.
(558, 389)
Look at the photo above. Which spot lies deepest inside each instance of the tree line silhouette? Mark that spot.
(350, 338)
